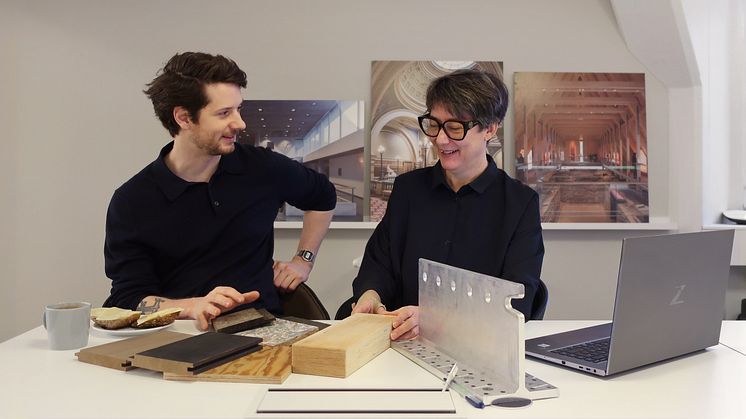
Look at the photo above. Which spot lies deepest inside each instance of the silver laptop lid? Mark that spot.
(670, 296)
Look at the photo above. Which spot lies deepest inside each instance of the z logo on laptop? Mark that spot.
(676, 298)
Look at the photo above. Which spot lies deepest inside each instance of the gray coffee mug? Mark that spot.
(67, 325)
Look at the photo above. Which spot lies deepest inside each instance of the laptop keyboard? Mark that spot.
(595, 351)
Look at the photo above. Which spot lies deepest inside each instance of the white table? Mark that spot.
(39, 383)
(733, 336)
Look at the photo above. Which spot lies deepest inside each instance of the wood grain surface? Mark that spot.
(271, 365)
(118, 355)
(342, 348)
(242, 320)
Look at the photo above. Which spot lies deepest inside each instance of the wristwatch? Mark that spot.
(306, 255)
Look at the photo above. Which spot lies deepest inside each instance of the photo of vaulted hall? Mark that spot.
(324, 135)
(397, 145)
(581, 143)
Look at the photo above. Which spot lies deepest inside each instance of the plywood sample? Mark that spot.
(342, 348)
(119, 354)
(271, 365)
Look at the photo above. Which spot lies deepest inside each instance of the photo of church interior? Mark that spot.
(324, 135)
(581, 143)
(398, 90)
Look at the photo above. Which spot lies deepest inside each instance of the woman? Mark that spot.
(463, 211)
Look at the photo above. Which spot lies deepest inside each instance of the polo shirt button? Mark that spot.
(216, 203)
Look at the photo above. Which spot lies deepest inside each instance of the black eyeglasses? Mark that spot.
(455, 130)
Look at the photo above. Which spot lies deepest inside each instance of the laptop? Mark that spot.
(670, 299)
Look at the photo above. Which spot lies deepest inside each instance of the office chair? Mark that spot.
(541, 298)
(303, 303)
(345, 310)
(539, 306)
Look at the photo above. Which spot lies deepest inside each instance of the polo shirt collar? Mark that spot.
(231, 163)
(173, 186)
(479, 185)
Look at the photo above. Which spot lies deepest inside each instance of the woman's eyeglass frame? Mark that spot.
(466, 125)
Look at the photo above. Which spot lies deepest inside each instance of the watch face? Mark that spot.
(306, 255)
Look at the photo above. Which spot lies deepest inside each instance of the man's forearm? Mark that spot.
(152, 303)
(315, 226)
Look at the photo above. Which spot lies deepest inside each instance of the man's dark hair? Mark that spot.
(182, 82)
(470, 94)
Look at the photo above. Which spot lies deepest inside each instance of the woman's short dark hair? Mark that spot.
(470, 94)
(182, 82)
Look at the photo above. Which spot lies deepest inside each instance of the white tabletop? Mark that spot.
(733, 335)
(39, 383)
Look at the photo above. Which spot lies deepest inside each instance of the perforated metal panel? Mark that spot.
(466, 317)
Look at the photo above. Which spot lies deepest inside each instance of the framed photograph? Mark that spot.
(324, 135)
(581, 143)
(397, 145)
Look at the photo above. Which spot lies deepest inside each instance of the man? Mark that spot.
(194, 229)
(463, 211)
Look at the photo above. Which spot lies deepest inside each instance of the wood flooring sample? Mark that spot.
(238, 321)
(196, 354)
(119, 354)
(340, 349)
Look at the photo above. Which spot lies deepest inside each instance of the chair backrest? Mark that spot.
(303, 303)
(539, 305)
(345, 310)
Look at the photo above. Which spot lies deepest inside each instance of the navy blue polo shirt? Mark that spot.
(491, 226)
(177, 239)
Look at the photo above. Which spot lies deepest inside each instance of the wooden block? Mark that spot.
(239, 321)
(342, 348)
(271, 365)
(197, 353)
(119, 354)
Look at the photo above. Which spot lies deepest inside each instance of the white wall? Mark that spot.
(717, 31)
(76, 124)
(718, 35)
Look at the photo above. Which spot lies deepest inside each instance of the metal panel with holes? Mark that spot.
(466, 317)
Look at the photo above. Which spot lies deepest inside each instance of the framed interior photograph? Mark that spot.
(581, 143)
(324, 135)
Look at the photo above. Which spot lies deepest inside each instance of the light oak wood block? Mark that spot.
(271, 365)
(339, 350)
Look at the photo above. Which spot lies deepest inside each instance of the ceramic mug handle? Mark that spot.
(44, 319)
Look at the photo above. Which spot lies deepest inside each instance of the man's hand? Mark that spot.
(369, 302)
(407, 323)
(288, 275)
(204, 309)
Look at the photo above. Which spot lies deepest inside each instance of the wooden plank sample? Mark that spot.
(342, 348)
(271, 365)
(119, 354)
(197, 353)
(241, 320)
